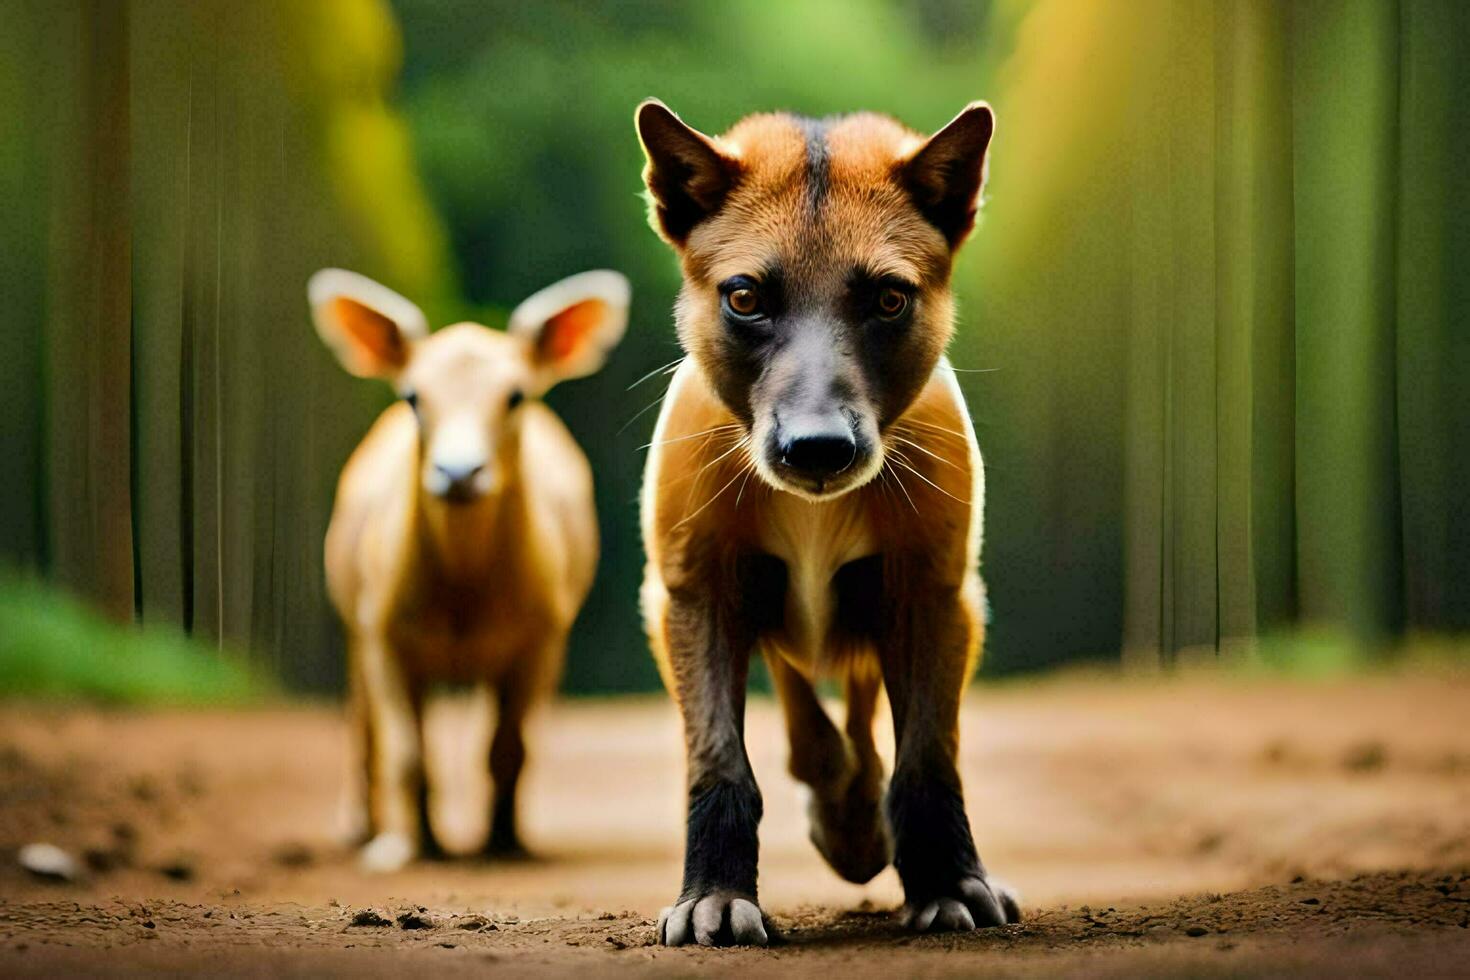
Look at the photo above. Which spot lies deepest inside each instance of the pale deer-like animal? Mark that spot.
(463, 539)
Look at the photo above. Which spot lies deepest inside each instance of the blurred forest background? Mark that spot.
(1215, 321)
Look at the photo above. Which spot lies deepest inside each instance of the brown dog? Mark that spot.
(814, 490)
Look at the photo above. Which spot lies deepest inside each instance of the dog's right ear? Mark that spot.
(367, 325)
(687, 174)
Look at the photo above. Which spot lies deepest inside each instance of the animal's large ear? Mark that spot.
(946, 174)
(367, 325)
(687, 175)
(572, 325)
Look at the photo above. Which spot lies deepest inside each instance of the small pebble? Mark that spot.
(371, 918)
(49, 862)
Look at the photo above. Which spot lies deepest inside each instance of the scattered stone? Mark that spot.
(49, 862)
(415, 920)
(1311, 901)
(1196, 931)
(370, 918)
(476, 923)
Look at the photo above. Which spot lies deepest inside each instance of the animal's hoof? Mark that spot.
(714, 919)
(973, 903)
(387, 853)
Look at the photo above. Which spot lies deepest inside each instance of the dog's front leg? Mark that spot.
(926, 657)
(709, 640)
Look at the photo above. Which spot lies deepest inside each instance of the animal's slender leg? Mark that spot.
(358, 816)
(429, 846)
(507, 758)
(926, 655)
(709, 645)
(844, 773)
(397, 761)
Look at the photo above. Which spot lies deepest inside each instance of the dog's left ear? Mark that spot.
(571, 326)
(946, 174)
(687, 175)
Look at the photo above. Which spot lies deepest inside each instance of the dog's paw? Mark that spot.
(718, 918)
(387, 853)
(850, 833)
(973, 903)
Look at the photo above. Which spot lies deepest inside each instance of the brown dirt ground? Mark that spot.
(1198, 825)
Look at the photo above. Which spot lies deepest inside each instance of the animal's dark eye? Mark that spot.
(744, 302)
(742, 298)
(516, 397)
(412, 397)
(892, 303)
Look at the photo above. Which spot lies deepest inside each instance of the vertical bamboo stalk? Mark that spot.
(89, 323)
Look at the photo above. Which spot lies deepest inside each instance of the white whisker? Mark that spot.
(927, 452)
(672, 365)
(897, 479)
(693, 435)
(642, 412)
(711, 500)
(936, 486)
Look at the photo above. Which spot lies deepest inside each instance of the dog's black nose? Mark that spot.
(823, 453)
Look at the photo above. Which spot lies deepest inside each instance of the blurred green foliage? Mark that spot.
(52, 646)
(1214, 323)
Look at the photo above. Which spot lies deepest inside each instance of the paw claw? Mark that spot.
(974, 903)
(921, 920)
(1010, 900)
(746, 924)
(709, 915)
(953, 917)
(704, 920)
(674, 924)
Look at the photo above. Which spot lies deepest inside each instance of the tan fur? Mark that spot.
(476, 591)
(819, 209)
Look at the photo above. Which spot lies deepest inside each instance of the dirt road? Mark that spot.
(1192, 825)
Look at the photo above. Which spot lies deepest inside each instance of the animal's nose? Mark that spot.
(456, 481)
(823, 452)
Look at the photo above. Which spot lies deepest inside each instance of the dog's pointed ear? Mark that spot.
(687, 175)
(947, 173)
(368, 326)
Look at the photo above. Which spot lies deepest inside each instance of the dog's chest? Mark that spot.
(814, 540)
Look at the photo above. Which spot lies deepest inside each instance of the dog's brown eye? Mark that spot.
(891, 303)
(744, 302)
